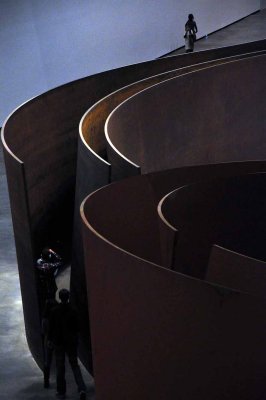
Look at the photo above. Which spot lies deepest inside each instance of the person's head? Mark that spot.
(46, 255)
(190, 17)
(63, 295)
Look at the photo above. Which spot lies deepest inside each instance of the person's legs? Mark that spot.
(191, 43)
(48, 355)
(73, 361)
(60, 370)
(47, 367)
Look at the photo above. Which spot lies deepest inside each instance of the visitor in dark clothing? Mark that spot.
(47, 267)
(63, 333)
(190, 33)
(48, 347)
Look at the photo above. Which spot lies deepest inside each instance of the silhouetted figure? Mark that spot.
(48, 346)
(190, 33)
(63, 333)
(47, 266)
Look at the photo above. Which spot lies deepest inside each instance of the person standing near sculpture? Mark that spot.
(63, 335)
(47, 347)
(47, 267)
(190, 33)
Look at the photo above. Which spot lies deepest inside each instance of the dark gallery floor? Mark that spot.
(20, 378)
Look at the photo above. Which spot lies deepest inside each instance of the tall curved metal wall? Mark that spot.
(163, 334)
(92, 161)
(93, 169)
(126, 300)
(199, 128)
(227, 212)
(228, 268)
(40, 143)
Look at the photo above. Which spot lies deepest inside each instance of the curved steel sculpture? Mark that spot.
(130, 253)
(163, 334)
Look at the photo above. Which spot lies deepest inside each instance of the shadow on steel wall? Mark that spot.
(40, 145)
(157, 333)
(185, 337)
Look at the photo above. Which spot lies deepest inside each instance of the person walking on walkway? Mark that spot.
(63, 334)
(190, 33)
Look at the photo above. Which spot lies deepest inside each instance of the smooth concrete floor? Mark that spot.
(20, 378)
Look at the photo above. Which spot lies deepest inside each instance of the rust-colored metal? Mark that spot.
(231, 269)
(160, 334)
(174, 123)
(227, 212)
(40, 138)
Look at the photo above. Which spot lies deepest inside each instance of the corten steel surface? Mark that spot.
(130, 204)
(168, 239)
(159, 334)
(227, 212)
(42, 134)
(127, 214)
(111, 229)
(175, 123)
(92, 141)
(93, 169)
(234, 270)
(93, 124)
(21, 226)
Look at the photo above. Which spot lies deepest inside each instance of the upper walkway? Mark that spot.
(248, 29)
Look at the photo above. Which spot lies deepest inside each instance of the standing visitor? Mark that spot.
(190, 33)
(63, 334)
(47, 267)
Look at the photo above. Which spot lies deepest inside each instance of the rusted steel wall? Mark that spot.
(43, 133)
(97, 117)
(117, 233)
(195, 119)
(22, 234)
(92, 134)
(231, 269)
(129, 216)
(92, 125)
(159, 334)
(93, 170)
(221, 212)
